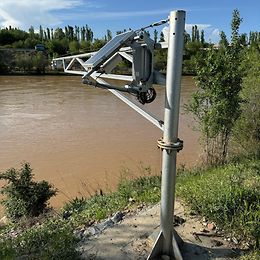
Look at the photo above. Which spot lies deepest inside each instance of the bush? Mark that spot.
(23, 196)
(51, 240)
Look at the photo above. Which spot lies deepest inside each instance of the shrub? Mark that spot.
(23, 196)
(52, 240)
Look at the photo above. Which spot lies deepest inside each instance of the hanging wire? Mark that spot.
(153, 25)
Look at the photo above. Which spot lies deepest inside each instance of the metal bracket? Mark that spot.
(170, 146)
(176, 245)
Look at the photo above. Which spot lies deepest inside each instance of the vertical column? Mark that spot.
(170, 144)
(171, 122)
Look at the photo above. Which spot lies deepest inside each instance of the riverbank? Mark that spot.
(228, 197)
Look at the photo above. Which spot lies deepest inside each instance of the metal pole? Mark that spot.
(166, 243)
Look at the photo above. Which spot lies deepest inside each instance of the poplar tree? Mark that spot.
(216, 103)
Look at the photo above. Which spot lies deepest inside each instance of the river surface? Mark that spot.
(80, 138)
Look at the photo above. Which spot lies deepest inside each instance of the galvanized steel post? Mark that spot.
(170, 144)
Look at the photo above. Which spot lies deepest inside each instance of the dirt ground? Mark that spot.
(134, 236)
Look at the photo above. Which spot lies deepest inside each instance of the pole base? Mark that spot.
(157, 250)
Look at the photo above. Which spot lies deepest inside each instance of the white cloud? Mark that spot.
(24, 13)
(211, 33)
(116, 15)
(188, 27)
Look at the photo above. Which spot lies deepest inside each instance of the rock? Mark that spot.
(211, 226)
(91, 231)
(117, 217)
(178, 220)
(108, 223)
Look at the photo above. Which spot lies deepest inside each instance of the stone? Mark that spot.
(211, 226)
(91, 231)
(107, 223)
(178, 220)
(117, 217)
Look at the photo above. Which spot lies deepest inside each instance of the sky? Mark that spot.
(116, 15)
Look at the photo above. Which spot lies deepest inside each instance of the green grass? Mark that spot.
(228, 195)
(129, 194)
(255, 255)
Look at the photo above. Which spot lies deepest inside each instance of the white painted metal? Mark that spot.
(112, 76)
(149, 116)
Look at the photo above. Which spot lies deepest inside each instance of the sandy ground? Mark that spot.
(133, 238)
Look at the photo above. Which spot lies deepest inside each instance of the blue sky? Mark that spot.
(100, 15)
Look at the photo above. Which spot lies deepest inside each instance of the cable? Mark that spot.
(154, 24)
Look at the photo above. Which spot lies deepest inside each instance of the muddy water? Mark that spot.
(80, 138)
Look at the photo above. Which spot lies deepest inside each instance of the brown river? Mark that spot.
(80, 138)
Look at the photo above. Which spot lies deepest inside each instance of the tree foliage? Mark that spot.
(23, 196)
(216, 104)
(247, 130)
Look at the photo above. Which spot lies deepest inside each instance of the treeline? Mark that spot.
(75, 39)
(57, 41)
(17, 46)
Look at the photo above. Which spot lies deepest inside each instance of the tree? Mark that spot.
(162, 37)
(216, 104)
(59, 34)
(59, 47)
(223, 42)
(48, 34)
(41, 33)
(247, 130)
(3, 66)
(202, 38)
(40, 62)
(74, 46)
(109, 35)
(24, 62)
(155, 35)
